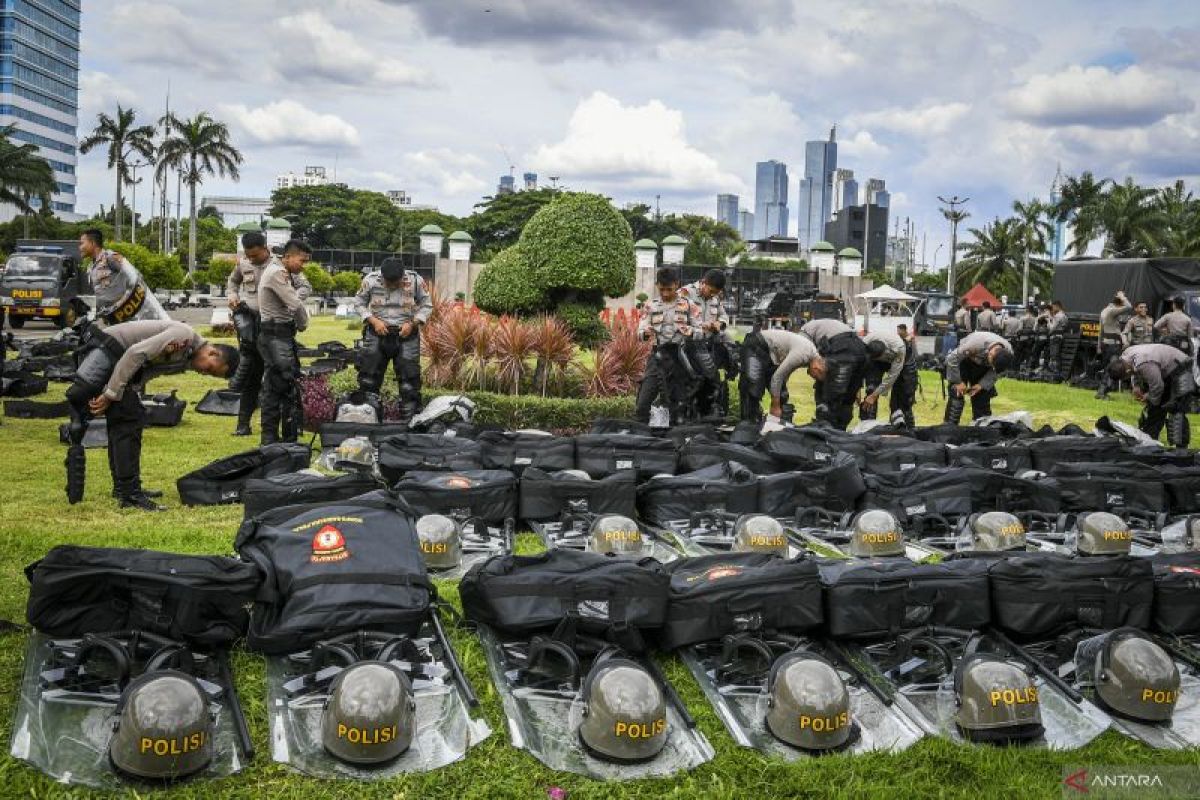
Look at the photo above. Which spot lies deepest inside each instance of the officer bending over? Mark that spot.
(121, 293)
(972, 370)
(886, 354)
(769, 357)
(394, 305)
(668, 322)
(710, 350)
(283, 315)
(845, 362)
(1165, 386)
(115, 363)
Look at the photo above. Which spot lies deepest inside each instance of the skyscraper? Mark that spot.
(745, 226)
(727, 209)
(1056, 238)
(770, 199)
(816, 189)
(530, 181)
(39, 87)
(845, 190)
(876, 194)
(508, 185)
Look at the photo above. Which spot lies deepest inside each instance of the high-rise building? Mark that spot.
(530, 181)
(816, 189)
(39, 88)
(727, 209)
(845, 189)
(876, 193)
(1056, 240)
(313, 176)
(508, 185)
(745, 226)
(770, 199)
(863, 227)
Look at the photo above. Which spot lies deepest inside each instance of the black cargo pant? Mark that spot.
(845, 364)
(248, 379)
(1054, 348)
(1110, 348)
(756, 372)
(981, 401)
(126, 418)
(1037, 351)
(707, 356)
(900, 398)
(1172, 408)
(664, 376)
(282, 414)
(404, 354)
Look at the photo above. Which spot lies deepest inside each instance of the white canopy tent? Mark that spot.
(885, 307)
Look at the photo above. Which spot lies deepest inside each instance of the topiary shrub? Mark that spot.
(583, 320)
(347, 282)
(320, 279)
(505, 285)
(579, 242)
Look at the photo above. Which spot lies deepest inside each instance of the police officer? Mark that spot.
(1010, 327)
(962, 320)
(709, 351)
(1175, 327)
(394, 304)
(115, 362)
(121, 293)
(1108, 346)
(769, 357)
(886, 353)
(904, 392)
(1057, 332)
(972, 371)
(1023, 341)
(1166, 387)
(986, 320)
(1041, 340)
(845, 362)
(669, 322)
(1139, 329)
(283, 315)
(242, 290)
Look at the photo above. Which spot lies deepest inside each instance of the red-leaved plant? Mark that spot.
(511, 348)
(555, 350)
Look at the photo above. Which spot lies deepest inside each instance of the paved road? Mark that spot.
(40, 329)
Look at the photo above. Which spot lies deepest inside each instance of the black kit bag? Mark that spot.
(746, 433)
(885, 454)
(603, 454)
(959, 434)
(295, 488)
(998, 491)
(1042, 594)
(425, 452)
(222, 481)
(23, 384)
(871, 599)
(485, 494)
(1110, 487)
(700, 452)
(1183, 488)
(334, 433)
(920, 492)
(221, 402)
(1058, 449)
(200, 600)
(334, 568)
(163, 410)
(681, 434)
(722, 487)
(567, 592)
(607, 425)
(712, 596)
(1009, 458)
(838, 487)
(813, 446)
(1156, 456)
(32, 409)
(546, 496)
(517, 451)
(1176, 593)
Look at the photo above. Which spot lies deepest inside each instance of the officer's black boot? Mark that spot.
(125, 448)
(955, 404)
(1178, 433)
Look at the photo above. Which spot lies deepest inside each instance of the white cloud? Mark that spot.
(318, 51)
(443, 170)
(99, 93)
(861, 145)
(631, 146)
(926, 121)
(1098, 97)
(288, 123)
(165, 35)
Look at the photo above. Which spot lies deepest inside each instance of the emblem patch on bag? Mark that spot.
(593, 609)
(999, 463)
(921, 509)
(1114, 498)
(329, 545)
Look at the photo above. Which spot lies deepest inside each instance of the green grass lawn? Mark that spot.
(34, 516)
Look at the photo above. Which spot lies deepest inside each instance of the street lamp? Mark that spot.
(133, 199)
(955, 215)
(937, 250)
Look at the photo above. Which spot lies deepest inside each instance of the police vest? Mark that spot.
(682, 315)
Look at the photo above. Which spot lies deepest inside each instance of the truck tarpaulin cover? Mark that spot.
(1087, 286)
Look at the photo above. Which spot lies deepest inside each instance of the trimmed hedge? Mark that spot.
(583, 319)
(579, 241)
(505, 286)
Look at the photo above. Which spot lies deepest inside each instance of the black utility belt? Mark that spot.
(278, 328)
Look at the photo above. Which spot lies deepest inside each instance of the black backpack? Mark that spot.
(568, 592)
(417, 452)
(921, 492)
(838, 487)
(1176, 593)
(883, 454)
(545, 496)
(998, 491)
(721, 487)
(712, 596)
(334, 568)
(603, 454)
(518, 451)
(1183, 488)
(1058, 449)
(489, 495)
(295, 488)
(222, 480)
(813, 446)
(200, 600)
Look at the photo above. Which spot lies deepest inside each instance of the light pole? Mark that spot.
(955, 215)
(936, 250)
(133, 199)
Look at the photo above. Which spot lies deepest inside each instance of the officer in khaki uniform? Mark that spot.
(710, 350)
(283, 316)
(394, 304)
(1139, 329)
(1164, 384)
(886, 355)
(121, 293)
(1108, 346)
(1175, 327)
(668, 322)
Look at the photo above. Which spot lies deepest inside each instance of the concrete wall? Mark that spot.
(451, 277)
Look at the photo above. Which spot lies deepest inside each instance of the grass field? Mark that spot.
(34, 516)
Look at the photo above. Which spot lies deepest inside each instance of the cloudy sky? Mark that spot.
(635, 98)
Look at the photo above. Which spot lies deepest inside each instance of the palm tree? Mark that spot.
(23, 174)
(1080, 198)
(1032, 227)
(996, 258)
(124, 139)
(1130, 219)
(196, 147)
(1181, 222)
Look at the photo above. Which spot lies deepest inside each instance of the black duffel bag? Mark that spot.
(334, 568)
(813, 446)
(998, 491)
(425, 452)
(608, 425)
(1176, 593)
(712, 596)
(1008, 458)
(700, 452)
(200, 600)
(920, 492)
(885, 454)
(837, 486)
(221, 402)
(1183, 488)
(566, 592)
(869, 599)
(485, 494)
(334, 433)
(1110, 487)
(546, 496)
(1057, 449)
(1042, 594)
(260, 495)
(163, 410)
(32, 409)
(1157, 456)
(958, 435)
(721, 487)
(522, 449)
(603, 454)
(222, 480)
(23, 384)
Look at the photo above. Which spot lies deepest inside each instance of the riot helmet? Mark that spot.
(164, 729)
(625, 712)
(617, 534)
(441, 541)
(997, 701)
(809, 706)
(758, 533)
(370, 715)
(355, 452)
(1134, 677)
(876, 533)
(996, 531)
(1102, 534)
